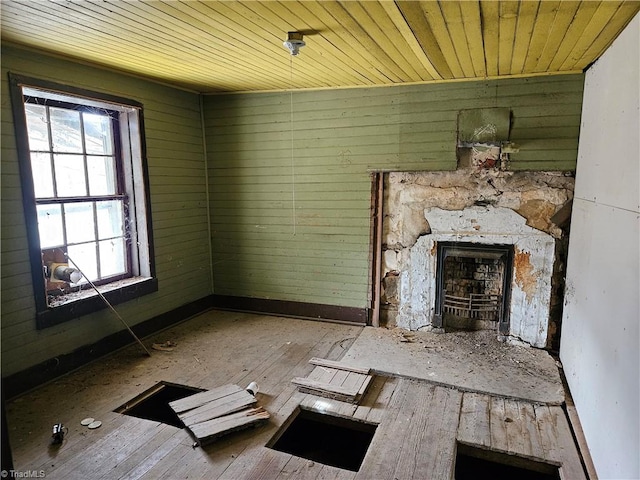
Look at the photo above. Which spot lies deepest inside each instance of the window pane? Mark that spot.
(102, 175)
(70, 179)
(85, 257)
(79, 222)
(109, 215)
(50, 225)
(112, 257)
(37, 127)
(42, 177)
(65, 130)
(97, 133)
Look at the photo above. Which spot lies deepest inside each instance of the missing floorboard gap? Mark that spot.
(500, 466)
(327, 439)
(153, 404)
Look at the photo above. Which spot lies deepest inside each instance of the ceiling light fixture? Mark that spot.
(294, 42)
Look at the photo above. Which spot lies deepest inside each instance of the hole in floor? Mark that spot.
(500, 466)
(335, 441)
(153, 404)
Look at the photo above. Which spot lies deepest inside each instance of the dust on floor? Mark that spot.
(474, 361)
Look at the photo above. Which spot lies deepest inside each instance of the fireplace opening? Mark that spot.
(473, 286)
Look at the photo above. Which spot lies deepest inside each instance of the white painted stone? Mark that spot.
(530, 285)
(389, 261)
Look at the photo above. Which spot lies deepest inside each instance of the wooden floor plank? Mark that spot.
(332, 473)
(380, 460)
(49, 458)
(339, 379)
(269, 465)
(210, 461)
(497, 425)
(322, 374)
(218, 395)
(300, 468)
(208, 431)
(556, 434)
(514, 425)
(474, 420)
(103, 454)
(378, 409)
(356, 381)
(412, 423)
(149, 461)
(420, 420)
(337, 392)
(442, 425)
(332, 380)
(338, 365)
(218, 407)
(165, 465)
(368, 401)
(530, 432)
(143, 454)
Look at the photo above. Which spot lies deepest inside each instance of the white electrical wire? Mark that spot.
(293, 166)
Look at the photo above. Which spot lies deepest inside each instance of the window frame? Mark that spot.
(121, 191)
(136, 181)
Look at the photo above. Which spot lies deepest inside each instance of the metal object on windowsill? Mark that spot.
(63, 272)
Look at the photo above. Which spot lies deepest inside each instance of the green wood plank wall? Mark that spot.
(179, 210)
(290, 200)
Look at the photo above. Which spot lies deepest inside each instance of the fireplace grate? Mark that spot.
(476, 305)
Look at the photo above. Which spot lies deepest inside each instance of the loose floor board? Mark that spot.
(334, 380)
(211, 414)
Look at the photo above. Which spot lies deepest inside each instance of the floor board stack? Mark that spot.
(334, 380)
(214, 413)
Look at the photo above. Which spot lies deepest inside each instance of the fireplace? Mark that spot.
(494, 227)
(473, 286)
(529, 287)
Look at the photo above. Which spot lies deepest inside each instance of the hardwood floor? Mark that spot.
(420, 424)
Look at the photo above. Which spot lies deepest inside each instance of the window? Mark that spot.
(85, 196)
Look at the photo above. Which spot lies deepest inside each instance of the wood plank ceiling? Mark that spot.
(215, 46)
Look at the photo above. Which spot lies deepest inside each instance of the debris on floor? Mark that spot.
(91, 423)
(334, 380)
(474, 361)
(167, 346)
(57, 437)
(213, 413)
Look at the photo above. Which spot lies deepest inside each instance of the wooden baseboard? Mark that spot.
(32, 377)
(576, 428)
(581, 440)
(284, 308)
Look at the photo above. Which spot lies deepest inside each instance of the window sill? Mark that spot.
(88, 301)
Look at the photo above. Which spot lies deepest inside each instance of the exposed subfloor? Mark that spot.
(420, 423)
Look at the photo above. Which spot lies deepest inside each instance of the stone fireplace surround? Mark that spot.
(487, 207)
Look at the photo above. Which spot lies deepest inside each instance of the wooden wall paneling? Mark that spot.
(180, 272)
(339, 136)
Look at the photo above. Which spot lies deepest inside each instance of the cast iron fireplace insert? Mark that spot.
(473, 282)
